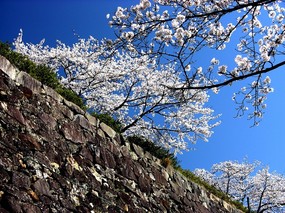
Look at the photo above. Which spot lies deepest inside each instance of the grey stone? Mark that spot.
(53, 94)
(108, 158)
(165, 174)
(15, 113)
(27, 81)
(66, 112)
(21, 180)
(48, 120)
(100, 133)
(108, 130)
(29, 208)
(177, 189)
(8, 68)
(125, 151)
(138, 150)
(160, 179)
(42, 187)
(144, 183)
(73, 107)
(92, 120)
(72, 132)
(83, 122)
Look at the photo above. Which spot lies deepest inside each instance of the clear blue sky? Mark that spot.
(232, 140)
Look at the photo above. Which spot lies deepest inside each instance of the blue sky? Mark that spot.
(232, 140)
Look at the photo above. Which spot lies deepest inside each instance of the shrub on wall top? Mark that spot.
(40, 72)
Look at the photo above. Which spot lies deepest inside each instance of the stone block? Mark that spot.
(73, 107)
(53, 94)
(42, 187)
(92, 120)
(14, 112)
(27, 81)
(100, 133)
(138, 150)
(83, 122)
(8, 68)
(108, 130)
(21, 180)
(145, 184)
(73, 133)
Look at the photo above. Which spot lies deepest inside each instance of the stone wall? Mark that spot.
(54, 157)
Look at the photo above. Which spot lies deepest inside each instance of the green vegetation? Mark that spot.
(155, 150)
(189, 175)
(109, 120)
(40, 72)
(71, 96)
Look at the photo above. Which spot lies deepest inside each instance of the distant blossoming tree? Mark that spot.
(150, 77)
(261, 192)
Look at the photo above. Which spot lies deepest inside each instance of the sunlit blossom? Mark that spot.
(147, 67)
(247, 181)
(128, 83)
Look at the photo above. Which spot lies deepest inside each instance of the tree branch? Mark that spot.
(230, 81)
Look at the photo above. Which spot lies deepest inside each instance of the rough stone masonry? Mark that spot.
(54, 157)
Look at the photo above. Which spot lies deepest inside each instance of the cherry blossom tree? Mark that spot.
(133, 89)
(150, 77)
(179, 31)
(268, 192)
(233, 177)
(260, 190)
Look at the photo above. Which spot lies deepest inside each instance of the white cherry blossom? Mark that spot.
(178, 30)
(144, 78)
(259, 189)
(131, 88)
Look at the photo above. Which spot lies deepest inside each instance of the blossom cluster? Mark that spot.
(264, 189)
(184, 19)
(254, 95)
(131, 88)
(177, 30)
(150, 79)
